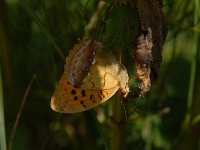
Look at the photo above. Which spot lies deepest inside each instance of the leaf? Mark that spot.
(120, 29)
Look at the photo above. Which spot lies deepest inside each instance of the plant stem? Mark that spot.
(119, 118)
(93, 20)
(5, 45)
(193, 69)
(19, 113)
(196, 45)
(2, 123)
(192, 130)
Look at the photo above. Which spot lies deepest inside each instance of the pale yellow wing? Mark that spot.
(105, 73)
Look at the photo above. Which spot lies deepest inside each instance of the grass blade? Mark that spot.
(19, 113)
(2, 123)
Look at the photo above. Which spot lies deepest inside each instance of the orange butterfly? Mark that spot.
(97, 80)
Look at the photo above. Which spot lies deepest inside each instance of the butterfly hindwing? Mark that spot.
(68, 99)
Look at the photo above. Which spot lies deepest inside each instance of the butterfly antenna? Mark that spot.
(125, 113)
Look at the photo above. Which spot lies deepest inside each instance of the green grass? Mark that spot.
(2, 121)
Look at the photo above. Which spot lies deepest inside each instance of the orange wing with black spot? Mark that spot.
(105, 77)
(68, 99)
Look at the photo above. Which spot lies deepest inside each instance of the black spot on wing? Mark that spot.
(75, 98)
(83, 93)
(82, 103)
(102, 94)
(73, 92)
(91, 97)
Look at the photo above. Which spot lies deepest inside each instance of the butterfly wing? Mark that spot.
(104, 73)
(100, 84)
(80, 59)
(105, 77)
(68, 99)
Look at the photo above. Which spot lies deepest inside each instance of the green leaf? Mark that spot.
(121, 28)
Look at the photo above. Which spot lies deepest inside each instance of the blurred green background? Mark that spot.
(35, 37)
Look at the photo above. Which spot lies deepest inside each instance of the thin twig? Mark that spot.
(19, 113)
(93, 20)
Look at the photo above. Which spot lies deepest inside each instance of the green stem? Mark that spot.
(119, 118)
(5, 45)
(192, 130)
(196, 45)
(19, 113)
(2, 123)
(193, 67)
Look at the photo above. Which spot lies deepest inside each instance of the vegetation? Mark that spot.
(35, 37)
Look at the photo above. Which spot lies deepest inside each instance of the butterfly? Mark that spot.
(90, 78)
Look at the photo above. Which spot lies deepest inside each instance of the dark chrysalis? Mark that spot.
(149, 42)
(143, 59)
